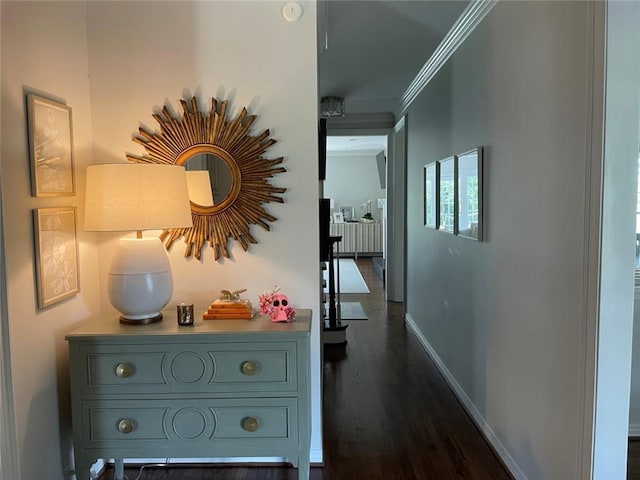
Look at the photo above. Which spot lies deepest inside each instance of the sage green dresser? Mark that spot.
(220, 388)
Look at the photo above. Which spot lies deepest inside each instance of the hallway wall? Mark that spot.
(507, 317)
(351, 181)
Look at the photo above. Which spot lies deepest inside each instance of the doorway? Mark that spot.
(356, 184)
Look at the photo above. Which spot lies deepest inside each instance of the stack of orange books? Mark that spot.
(229, 309)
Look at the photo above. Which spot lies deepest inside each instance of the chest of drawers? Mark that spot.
(221, 388)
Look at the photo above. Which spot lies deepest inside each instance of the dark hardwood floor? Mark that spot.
(388, 414)
(633, 459)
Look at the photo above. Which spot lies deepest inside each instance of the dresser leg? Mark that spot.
(303, 469)
(83, 467)
(119, 468)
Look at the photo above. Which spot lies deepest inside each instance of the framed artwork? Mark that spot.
(337, 217)
(50, 148)
(348, 214)
(56, 248)
(469, 184)
(447, 218)
(431, 195)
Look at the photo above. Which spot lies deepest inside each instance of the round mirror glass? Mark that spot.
(209, 179)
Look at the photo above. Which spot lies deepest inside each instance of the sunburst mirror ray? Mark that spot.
(230, 142)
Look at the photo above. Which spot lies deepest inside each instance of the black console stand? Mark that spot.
(334, 330)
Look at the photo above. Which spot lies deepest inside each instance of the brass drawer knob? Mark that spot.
(249, 368)
(125, 426)
(250, 424)
(124, 370)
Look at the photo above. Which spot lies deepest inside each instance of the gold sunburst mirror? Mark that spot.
(227, 175)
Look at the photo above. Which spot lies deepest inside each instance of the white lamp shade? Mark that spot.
(199, 187)
(129, 196)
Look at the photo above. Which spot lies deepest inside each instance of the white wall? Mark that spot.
(113, 63)
(142, 54)
(621, 109)
(506, 317)
(351, 180)
(44, 49)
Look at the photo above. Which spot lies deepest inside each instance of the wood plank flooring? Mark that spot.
(388, 414)
(633, 459)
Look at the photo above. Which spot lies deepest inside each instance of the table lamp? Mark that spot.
(126, 197)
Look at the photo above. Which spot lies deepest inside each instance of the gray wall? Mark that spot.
(352, 180)
(506, 317)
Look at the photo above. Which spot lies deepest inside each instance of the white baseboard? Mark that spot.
(316, 456)
(97, 469)
(468, 405)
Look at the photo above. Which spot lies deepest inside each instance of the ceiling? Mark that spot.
(370, 51)
(356, 145)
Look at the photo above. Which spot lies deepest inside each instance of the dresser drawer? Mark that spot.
(232, 368)
(197, 423)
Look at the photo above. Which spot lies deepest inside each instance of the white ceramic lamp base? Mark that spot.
(140, 283)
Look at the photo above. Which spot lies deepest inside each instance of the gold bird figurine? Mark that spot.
(231, 296)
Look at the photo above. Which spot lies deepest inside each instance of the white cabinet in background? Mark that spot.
(358, 238)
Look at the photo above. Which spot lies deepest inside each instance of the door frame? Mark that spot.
(397, 213)
(610, 239)
(394, 282)
(9, 465)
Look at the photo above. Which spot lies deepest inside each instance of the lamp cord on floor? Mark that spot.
(142, 467)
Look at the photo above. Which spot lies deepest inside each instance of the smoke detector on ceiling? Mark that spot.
(332, 106)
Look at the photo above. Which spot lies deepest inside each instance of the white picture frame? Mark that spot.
(447, 195)
(469, 186)
(50, 148)
(56, 251)
(348, 214)
(431, 195)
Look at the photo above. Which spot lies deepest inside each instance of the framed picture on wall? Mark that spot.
(56, 249)
(447, 219)
(469, 184)
(431, 195)
(50, 147)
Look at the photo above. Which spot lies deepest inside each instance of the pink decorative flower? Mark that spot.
(266, 300)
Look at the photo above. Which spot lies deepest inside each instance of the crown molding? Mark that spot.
(350, 121)
(466, 23)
